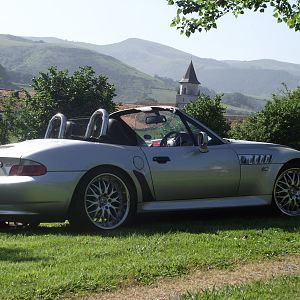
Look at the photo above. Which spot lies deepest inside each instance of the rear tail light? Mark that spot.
(28, 168)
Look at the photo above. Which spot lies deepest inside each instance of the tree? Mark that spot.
(197, 15)
(278, 122)
(210, 112)
(8, 107)
(79, 94)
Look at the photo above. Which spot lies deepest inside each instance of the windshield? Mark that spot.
(152, 126)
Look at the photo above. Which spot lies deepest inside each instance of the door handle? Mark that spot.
(161, 159)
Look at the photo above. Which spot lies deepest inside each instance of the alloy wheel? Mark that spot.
(287, 192)
(107, 201)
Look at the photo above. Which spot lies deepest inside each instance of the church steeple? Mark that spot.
(190, 75)
(189, 87)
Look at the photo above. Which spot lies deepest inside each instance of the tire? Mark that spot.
(286, 192)
(4, 224)
(104, 200)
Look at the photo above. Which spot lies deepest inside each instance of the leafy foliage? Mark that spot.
(79, 94)
(278, 122)
(209, 11)
(210, 112)
(8, 108)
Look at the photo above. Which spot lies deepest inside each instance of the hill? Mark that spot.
(27, 58)
(268, 64)
(5, 80)
(149, 57)
(259, 78)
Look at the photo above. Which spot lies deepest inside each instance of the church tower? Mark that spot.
(189, 87)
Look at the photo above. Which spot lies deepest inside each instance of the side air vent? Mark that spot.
(255, 159)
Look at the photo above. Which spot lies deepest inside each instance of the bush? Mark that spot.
(8, 108)
(278, 122)
(79, 94)
(210, 112)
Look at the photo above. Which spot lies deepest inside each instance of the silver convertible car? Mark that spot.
(99, 174)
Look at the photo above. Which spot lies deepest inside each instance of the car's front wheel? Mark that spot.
(286, 193)
(105, 200)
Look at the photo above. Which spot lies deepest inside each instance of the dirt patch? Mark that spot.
(199, 279)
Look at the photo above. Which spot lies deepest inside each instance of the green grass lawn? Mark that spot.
(51, 261)
(281, 288)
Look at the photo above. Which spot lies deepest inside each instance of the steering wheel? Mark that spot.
(164, 141)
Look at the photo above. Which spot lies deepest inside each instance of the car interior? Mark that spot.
(120, 133)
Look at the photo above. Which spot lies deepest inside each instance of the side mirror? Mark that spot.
(202, 141)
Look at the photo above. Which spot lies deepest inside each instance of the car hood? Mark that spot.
(280, 153)
(250, 143)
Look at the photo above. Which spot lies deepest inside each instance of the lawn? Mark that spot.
(281, 287)
(52, 261)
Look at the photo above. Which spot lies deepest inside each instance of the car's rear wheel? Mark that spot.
(286, 193)
(105, 200)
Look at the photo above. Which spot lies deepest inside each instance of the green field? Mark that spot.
(164, 95)
(233, 110)
(51, 261)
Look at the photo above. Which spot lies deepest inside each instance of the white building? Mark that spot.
(189, 87)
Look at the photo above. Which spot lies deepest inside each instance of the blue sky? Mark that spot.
(252, 36)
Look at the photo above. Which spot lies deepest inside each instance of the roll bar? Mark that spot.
(91, 125)
(62, 127)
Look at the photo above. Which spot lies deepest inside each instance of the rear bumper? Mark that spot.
(44, 197)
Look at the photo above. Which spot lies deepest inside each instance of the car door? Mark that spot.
(180, 173)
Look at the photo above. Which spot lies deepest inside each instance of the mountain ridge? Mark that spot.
(25, 57)
(28, 58)
(257, 77)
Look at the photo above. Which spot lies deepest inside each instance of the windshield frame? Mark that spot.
(183, 116)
